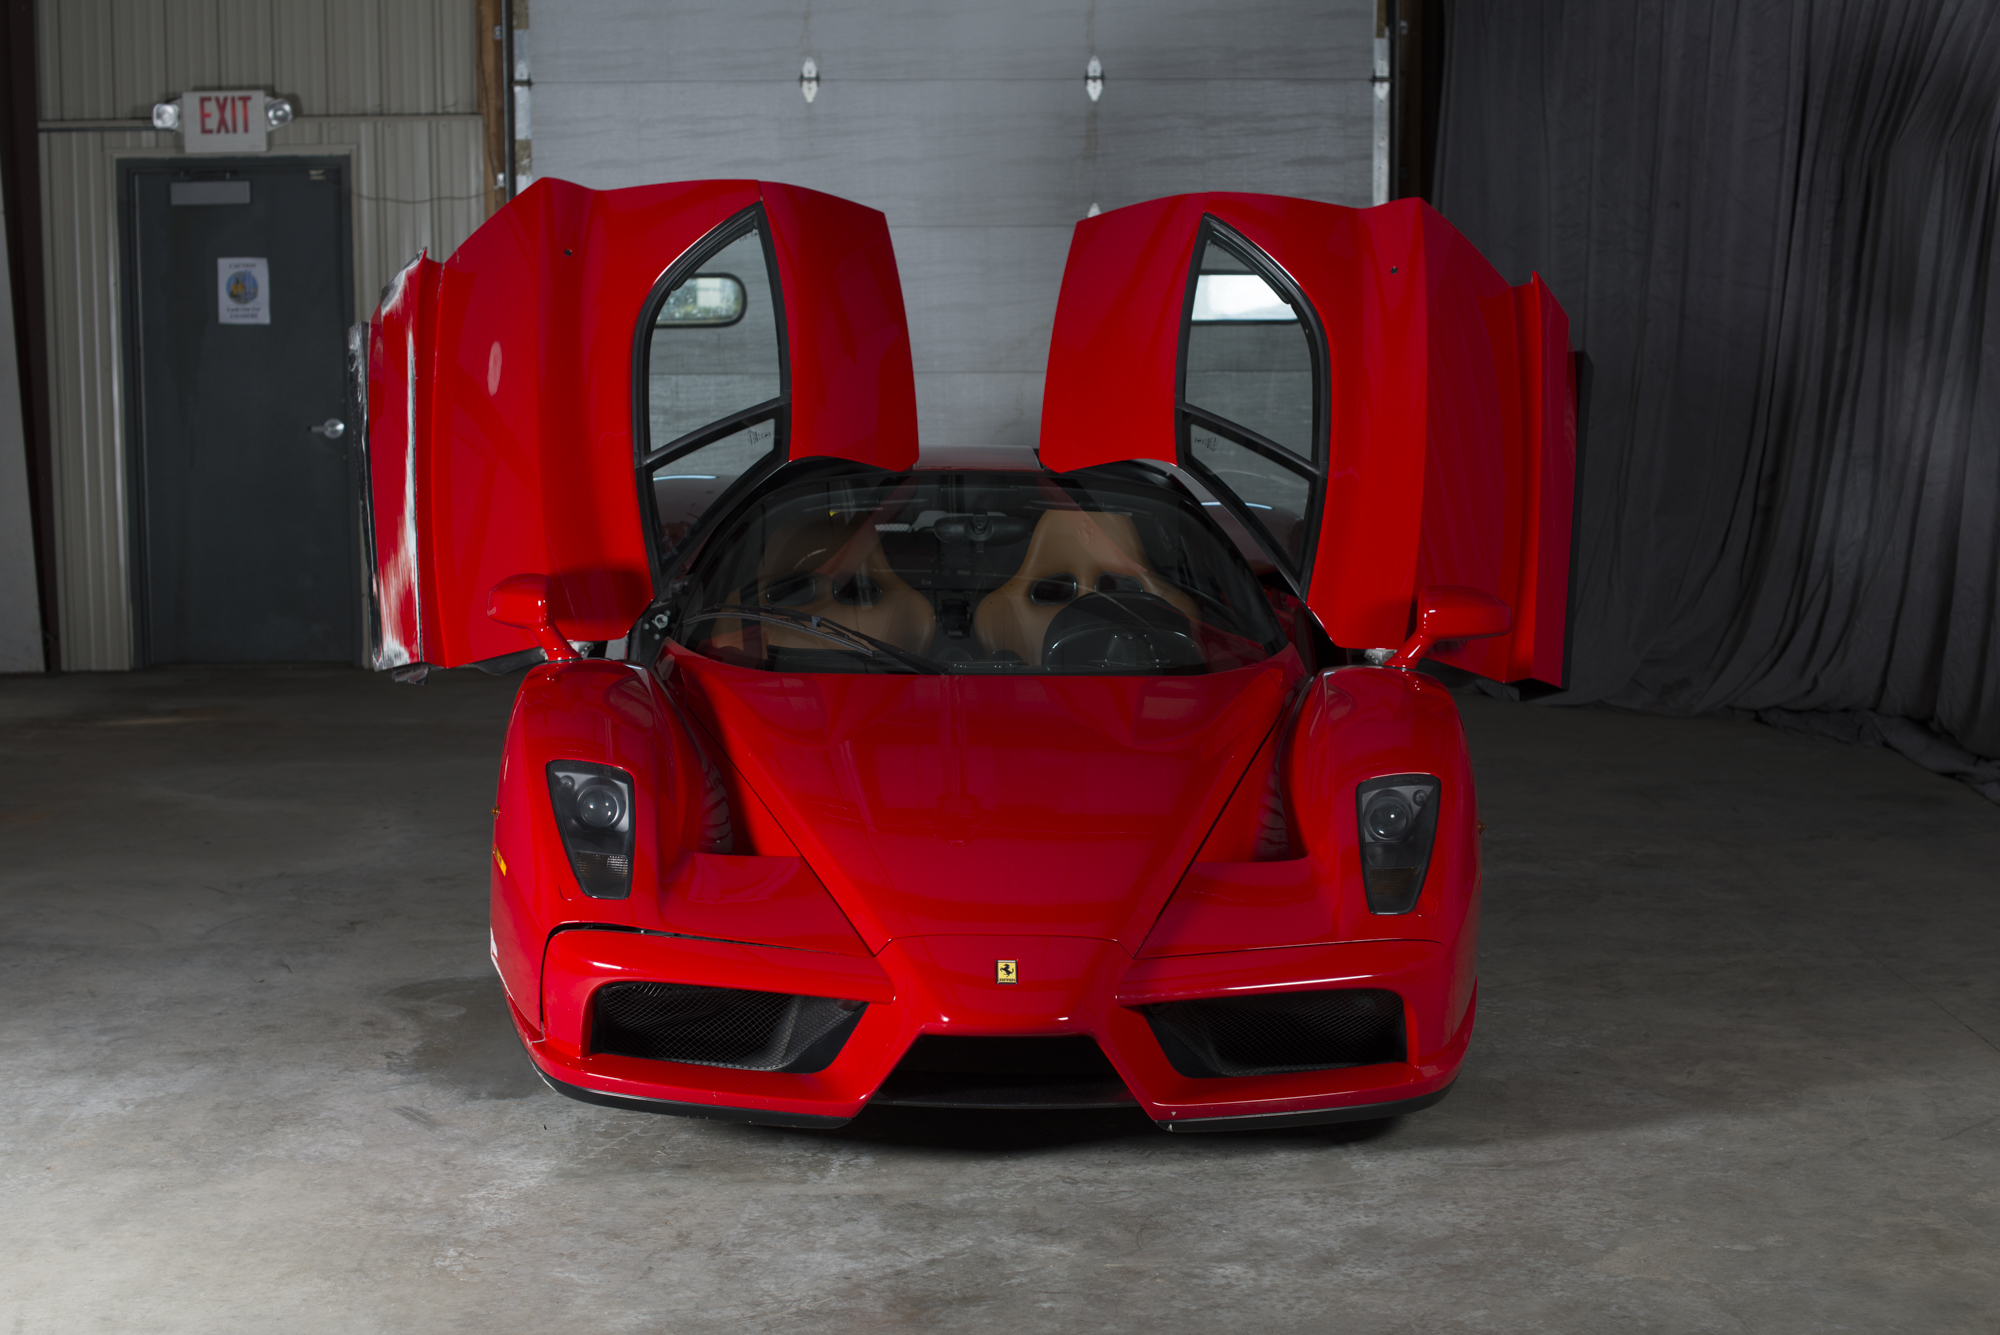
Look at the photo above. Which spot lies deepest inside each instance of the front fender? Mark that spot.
(585, 710)
(1352, 725)
(610, 714)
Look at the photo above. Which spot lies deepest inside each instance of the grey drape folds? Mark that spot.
(1773, 224)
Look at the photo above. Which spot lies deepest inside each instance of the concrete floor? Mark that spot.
(1735, 1068)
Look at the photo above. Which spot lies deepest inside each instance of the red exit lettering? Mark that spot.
(225, 115)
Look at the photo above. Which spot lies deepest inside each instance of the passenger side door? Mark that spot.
(1372, 402)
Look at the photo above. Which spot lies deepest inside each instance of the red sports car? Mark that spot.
(1101, 778)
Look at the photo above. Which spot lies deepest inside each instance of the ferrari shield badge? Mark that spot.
(1004, 971)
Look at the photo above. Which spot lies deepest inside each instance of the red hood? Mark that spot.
(1057, 806)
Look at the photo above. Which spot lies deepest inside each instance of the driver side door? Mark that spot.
(591, 373)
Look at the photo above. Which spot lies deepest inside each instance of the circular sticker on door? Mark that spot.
(242, 287)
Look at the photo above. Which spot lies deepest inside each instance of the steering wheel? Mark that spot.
(1122, 632)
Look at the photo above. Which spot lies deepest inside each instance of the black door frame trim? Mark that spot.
(1315, 470)
(646, 457)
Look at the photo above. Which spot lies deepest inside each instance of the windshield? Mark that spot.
(1102, 571)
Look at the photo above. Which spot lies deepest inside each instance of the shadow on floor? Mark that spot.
(984, 1132)
(464, 1039)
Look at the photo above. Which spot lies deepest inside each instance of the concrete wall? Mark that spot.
(968, 124)
(389, 84)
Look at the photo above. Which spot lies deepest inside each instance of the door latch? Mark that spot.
(332, 428)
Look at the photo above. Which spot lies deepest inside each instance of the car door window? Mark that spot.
(1277, 497)
(715, 383)
(1248, 358)
(1251, 411)
(685, 488)
(715, 343)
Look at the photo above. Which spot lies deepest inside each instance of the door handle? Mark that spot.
(332, 428)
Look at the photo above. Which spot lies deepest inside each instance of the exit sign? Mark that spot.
(224, 122)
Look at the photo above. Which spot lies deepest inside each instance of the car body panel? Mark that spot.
(501, 410)
(555, 949)
(1012, 855)
(1448, 436)
(580, 961)
(989, 804)
(940, 984)
(1350, 725)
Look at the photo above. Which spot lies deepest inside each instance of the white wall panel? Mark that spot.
(1021, 154)
(966, 326)
(728, 41)
(968, 125)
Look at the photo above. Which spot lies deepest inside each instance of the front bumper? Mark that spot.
(948, 985)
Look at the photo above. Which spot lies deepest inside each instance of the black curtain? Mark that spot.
(1772, 223)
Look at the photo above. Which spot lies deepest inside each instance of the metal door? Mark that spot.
(244, 533)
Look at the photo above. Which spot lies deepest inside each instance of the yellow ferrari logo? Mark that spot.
(1005, 971)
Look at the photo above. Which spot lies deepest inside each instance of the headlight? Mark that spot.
(594, 813)
(600, 804)
(1398, 819)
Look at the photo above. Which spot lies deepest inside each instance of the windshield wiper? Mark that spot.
(813, 624)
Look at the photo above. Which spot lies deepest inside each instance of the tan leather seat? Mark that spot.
(1083, 544)
(826, 568)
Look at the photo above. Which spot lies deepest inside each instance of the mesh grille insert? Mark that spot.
(1284, 1031)
(721, 1026)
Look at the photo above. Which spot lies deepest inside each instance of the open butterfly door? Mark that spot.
(1359, 388)
(590, 373)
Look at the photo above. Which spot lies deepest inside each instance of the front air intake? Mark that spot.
(1018, 1073)
(1280, 1032)
(721, 1026)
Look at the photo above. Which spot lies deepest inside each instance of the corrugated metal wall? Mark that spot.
(103, 59)
(390, 84)
(21, 648)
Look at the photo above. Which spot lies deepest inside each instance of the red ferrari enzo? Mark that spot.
(1102, 778)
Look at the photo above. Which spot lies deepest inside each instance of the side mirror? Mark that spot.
(523, 601)
(1449, 612)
